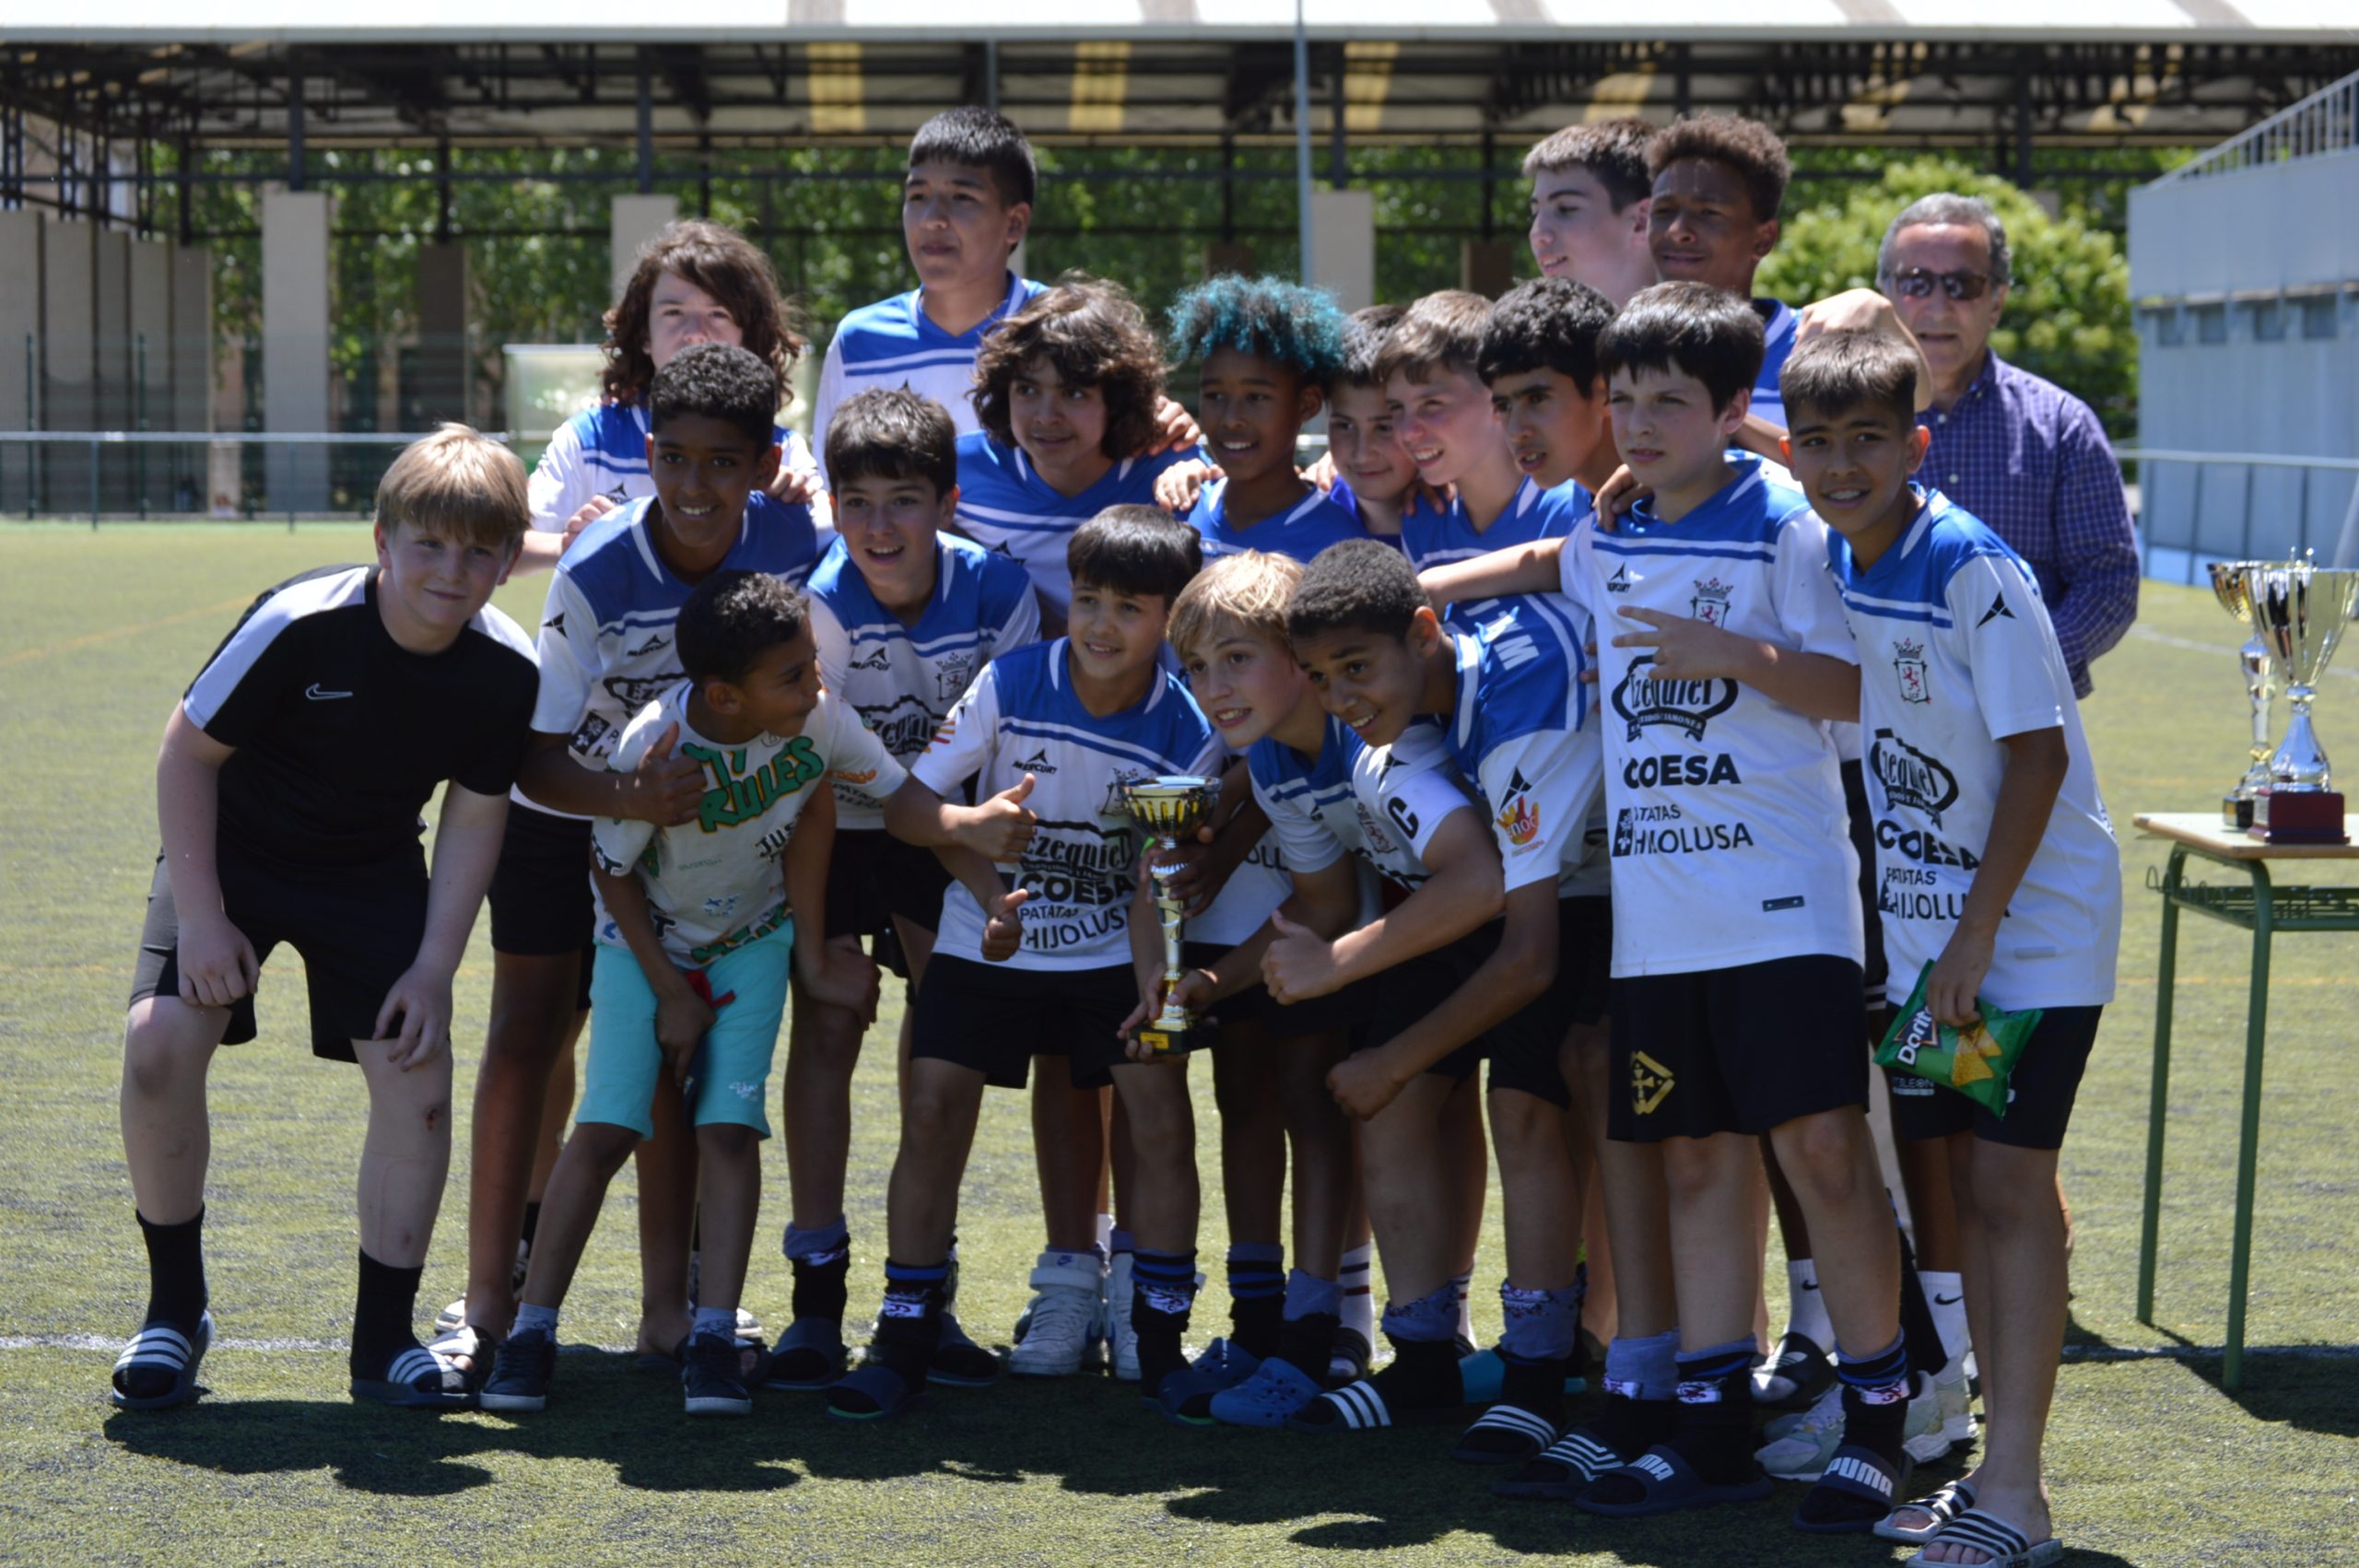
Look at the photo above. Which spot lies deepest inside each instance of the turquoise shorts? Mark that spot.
(728, 1079)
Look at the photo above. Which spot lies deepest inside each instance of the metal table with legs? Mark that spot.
(2264, 909)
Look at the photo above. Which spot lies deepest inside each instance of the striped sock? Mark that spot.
(909, 1320)
(1257, 1296)
(1163, 1288)
(1358, 1307)
(1876, 1396)
(1716, 1410)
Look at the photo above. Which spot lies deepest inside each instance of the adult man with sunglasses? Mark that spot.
(2021, 454)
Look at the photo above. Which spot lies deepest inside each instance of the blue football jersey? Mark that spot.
(1301, 532)
(1432, 538)
(1011, 510)
(1777, 323)
(894, 343)
(603, 452)
(901, 679)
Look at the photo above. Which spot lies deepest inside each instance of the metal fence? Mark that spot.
(2194, 506)
(2326, 121)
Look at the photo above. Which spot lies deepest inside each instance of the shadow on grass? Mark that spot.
(2313, 1393)
(601, 1412)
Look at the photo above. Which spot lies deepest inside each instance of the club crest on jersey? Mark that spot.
(953, 675)
(879, 659)
(1520, 817)
(1911, 778)
(1909, 663)
(1710, 605)
(1685, 705)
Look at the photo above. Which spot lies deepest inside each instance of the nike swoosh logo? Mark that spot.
(1947, 1300)
(314, 692)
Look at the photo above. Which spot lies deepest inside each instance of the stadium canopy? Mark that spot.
(716, 73)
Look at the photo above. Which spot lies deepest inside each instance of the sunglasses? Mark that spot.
(1917, 283)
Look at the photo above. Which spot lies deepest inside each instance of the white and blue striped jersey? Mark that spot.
(1730, 842)
(1777, 323)
(1431, 538)
(603, 452)
(894, 343)
(606, 627)
(1355, 799)
(902, 680)
(1956, 653)
(1011, 510)
(1020, 716)
(1304, 530)
(1523, 730)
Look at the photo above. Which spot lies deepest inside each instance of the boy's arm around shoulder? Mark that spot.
(217, 963)
(1464, 891)
(1530, 567)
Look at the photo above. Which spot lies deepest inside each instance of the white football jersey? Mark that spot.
(1355, 799)
(1729, 839)
(603, 452)
(1956, 653)
(901, 680)
(718, 883)
(1021, 716)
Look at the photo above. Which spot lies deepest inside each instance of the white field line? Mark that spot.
(2147, 634)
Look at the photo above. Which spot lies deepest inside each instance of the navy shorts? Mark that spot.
(996, 1019)
(358, 932)
(2040, 1093)
(1741, 1049)
(540, 904)
(875, 879)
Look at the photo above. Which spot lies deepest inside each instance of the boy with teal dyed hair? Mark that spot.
(1265, 350)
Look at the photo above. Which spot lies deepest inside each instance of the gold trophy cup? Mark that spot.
(1167, 810)
(2232, 583)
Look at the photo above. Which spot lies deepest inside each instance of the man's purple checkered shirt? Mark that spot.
(2031, 460)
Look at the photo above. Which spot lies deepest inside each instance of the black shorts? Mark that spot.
(1863, 843)
(1334, 1013)
(875, 879)
(358, 932)
(996, 1019)
(540, 904)
(2040, 1095)
(1525, 1048)
(1741, 1049)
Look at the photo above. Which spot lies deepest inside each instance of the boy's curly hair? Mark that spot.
(1364, 336)
(1357, 585)
(1092, 333)
(1546, 323)
(716, 380)
(725, 264)
(731, 619)
(1748, 146)
(1284, 322)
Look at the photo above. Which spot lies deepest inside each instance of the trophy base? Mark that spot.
(2305, 816)
(2236, 811)
(1166, 1044)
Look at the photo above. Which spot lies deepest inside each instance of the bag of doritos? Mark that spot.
(1976, 1061)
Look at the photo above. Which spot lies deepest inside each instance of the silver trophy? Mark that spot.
(2232, 584)
(1170, 810)
(2300, 611)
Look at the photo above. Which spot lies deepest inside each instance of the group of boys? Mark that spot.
(1504, 771)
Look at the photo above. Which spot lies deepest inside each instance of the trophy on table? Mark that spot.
(2300, 611)
(1170, 810)
(2233, 587)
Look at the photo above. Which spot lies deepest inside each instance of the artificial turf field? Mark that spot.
(2152, 1463)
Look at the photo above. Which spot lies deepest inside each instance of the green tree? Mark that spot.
(2068, 310)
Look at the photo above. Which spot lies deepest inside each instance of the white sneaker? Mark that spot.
(1063, 1313)
(1115, 1310)
(1799, 1449)
(1956, 1408)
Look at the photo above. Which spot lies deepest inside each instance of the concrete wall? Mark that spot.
(2273, 227)
(1343, 240)
(69, 355)
(630, 223)
(295, 289)
(442, 381)
(21, 323)
(2245, 287)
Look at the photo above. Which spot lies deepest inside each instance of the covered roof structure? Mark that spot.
(713, 73)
